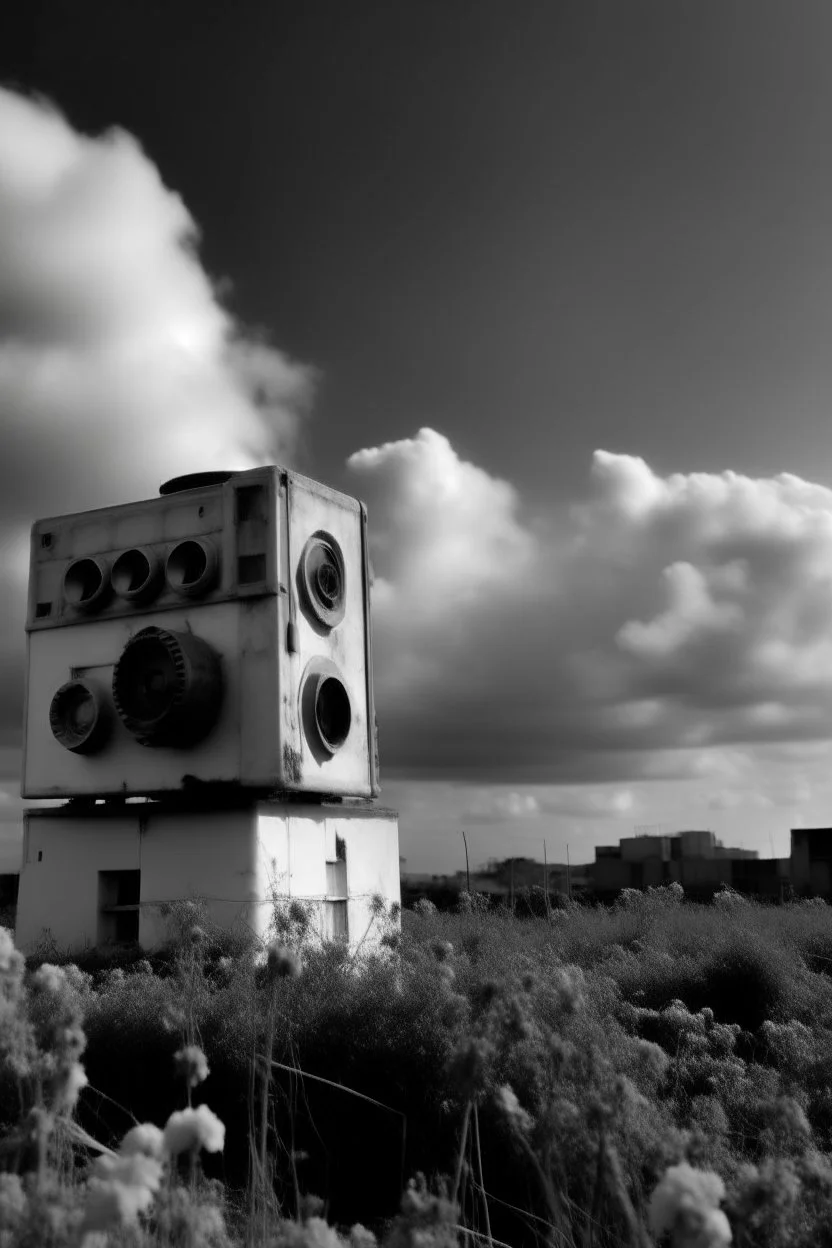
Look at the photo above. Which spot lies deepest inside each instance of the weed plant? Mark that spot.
(652, 1073)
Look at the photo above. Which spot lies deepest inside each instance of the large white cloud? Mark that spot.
(658, 614)
(119, 366)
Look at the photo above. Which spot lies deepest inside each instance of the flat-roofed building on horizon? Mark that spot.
(812, 862)
(694, 858)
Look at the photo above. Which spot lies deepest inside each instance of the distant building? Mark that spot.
(695, 859)
(812, 862)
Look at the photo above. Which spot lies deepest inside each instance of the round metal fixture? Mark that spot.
(86, 582)
(191, 567)
(194, 481)
(136, 574)
(76, 718)
(167, 687)
(326, 713)
(324, 579)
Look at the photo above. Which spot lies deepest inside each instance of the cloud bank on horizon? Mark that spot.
(654, 619)
(119, 366)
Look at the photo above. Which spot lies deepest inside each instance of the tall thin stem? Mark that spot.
(479, 1174)
(264, 1103)
(458, 1178)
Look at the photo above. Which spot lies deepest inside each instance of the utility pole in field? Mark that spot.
(467, 868)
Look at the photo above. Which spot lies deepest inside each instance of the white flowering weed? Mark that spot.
(119, 1189)
(192, 1065)
(12, 1201)
(145, 1138)
(507, 1101)
(71, 1087)
(191, 1129)
(10, 959)
(685, 1205)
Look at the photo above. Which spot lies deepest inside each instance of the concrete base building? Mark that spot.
(107, 873)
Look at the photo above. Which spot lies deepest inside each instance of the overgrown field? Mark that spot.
(654, 1073)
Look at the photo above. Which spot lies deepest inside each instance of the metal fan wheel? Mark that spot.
(76, 718)
(167, 687)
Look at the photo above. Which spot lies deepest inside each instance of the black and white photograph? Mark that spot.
(416, 624)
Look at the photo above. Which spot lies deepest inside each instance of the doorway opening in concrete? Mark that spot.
(336, 926)
(118, 907)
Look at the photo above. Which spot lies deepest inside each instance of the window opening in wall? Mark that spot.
(336, 925)
(119, 895)
(9, 883)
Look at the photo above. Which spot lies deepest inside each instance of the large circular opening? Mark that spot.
(191, 567)
(135, 574)
(85, 583)
(323, 577)
(333, 715)
(167, 687)
(75, 718)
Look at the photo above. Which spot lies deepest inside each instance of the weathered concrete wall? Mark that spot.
(238, 861)
(58, 896)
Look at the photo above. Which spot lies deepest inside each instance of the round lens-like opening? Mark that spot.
(74, 717)
(323, 578)
(84, 582)
(332, 712)
(132, 574)
(328, 583)
(190, 567)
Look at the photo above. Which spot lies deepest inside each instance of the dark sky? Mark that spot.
(550, 217)
(539, 230)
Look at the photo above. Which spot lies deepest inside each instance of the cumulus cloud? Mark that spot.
(119, 365)
(451, 526)
(446, 543)
(656, 622)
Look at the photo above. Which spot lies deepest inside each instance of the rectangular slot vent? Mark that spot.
(251, 503)
(45, 541)
(251, 569)
(42, 609)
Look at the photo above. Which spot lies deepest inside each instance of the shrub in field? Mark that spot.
(588, 1073)
(424, 907)
(727, 899)
(473, 903)
(745, 981)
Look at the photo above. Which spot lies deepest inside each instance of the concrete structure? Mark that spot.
(812, 862)
(695, 859)
(697, 844)
(643, 848)
(219, 632)
(203, 661)
(105, 874)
